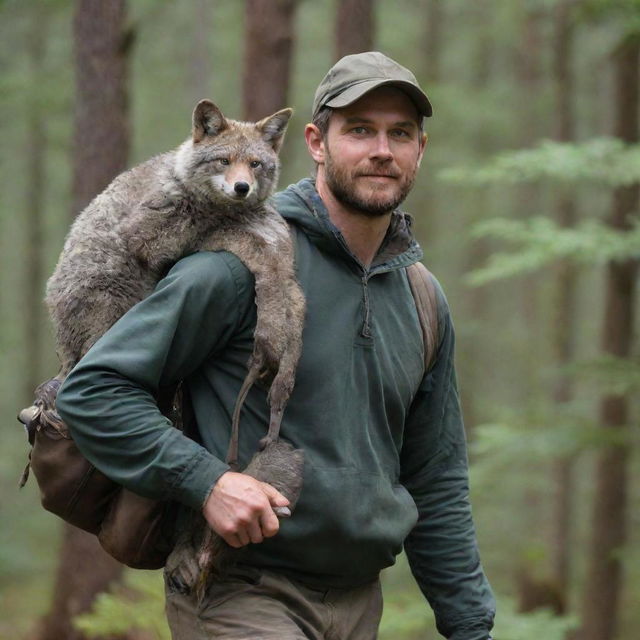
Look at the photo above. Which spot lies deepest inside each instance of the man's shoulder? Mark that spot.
(295, 195)
(208, 273)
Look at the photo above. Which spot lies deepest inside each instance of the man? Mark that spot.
(384, 441)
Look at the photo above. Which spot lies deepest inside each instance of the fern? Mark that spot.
(139, 604)
(538, 242)
(605, 161)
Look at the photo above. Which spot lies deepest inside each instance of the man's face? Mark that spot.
(372, 151)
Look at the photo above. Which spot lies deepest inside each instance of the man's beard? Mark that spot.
(343, 188)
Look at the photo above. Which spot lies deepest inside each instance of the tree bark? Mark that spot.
(354, 27)
(433, 32)
(200, 69)
(101, 147)
(528, 77)
(84, 570)
(36, 151)
(101, 128)
(529, 73)
(472, 359)
(564, 303)
(609, 518)
(269, 40)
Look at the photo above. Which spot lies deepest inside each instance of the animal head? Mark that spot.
(231, 161)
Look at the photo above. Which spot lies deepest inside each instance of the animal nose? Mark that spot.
(241, 188)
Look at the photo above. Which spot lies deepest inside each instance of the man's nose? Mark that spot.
(381, 151)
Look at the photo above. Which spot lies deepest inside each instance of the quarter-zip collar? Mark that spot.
(302, 205)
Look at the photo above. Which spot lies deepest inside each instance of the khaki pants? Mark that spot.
(263, 605)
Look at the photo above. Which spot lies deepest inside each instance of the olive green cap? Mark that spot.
(354, 75)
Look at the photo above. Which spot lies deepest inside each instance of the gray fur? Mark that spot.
(279, 465)
(172, 205)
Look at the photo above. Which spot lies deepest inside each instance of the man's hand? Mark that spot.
(240, 509)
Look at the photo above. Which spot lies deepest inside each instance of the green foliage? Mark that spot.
(539, 241)
(139, 604)
(607, 161)
(511, 625)
(628, 10)
(406, 616)
(557, 436)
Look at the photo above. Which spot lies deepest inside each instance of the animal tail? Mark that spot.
(232, 452)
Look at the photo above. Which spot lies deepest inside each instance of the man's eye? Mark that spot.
(224, 161)
(359, 130)
(254, 164)
(401, 133)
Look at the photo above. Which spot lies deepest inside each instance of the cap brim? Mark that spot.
(350, 95)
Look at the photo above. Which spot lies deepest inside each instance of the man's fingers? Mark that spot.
(233, 540)
(241, 509)
(269, 523)
(275, 497)
(255, 532)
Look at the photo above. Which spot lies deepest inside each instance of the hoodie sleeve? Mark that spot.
(442, 549)
(108, 400)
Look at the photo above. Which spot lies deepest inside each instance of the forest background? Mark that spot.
(526, 206)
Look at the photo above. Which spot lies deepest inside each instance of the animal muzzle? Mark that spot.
(241, 189)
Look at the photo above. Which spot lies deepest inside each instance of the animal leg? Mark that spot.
(283, 383)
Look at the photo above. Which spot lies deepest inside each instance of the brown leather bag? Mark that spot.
(135, 530)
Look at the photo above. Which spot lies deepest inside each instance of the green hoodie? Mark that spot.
(385, 448)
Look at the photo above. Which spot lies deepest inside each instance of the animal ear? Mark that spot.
(207, 120)
(274, 127)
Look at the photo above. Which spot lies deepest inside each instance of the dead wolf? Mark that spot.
(208, 194)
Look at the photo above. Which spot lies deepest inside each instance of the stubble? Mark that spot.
(374, 203)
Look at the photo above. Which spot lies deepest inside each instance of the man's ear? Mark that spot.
(274, 127)
(315, 143)
(424, 138)
(207, 120)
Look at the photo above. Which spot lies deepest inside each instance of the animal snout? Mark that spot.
(241, 188)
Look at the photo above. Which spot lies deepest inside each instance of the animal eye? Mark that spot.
(224, 161)
(254, 164)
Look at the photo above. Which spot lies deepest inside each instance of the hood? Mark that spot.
(301, 205)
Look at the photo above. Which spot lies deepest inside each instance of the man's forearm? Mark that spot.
(444, 558)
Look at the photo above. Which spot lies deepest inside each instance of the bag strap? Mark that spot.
(424, 295)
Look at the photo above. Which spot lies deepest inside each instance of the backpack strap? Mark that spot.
(424, 295)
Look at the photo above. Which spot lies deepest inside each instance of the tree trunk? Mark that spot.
(84, 570)
(269, 41)
(529, 78)
(609, 524)
(354, 27)
(564, 303)
(473, 356)
(434, 29)
(36, 151)
(101, 146)
(527, 198)
(200, 68)
(101, 129)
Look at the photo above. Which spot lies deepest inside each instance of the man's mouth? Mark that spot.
(387, 176)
